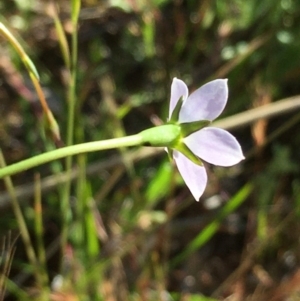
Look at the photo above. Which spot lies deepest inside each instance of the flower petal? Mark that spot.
(178, 89)
(206, 103)
(194, 175)
(215, 146)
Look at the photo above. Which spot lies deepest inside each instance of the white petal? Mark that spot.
(215, 146)
(194, 176)
(206, 103)
(178, 89)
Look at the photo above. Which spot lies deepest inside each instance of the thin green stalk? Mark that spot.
(52, 124)
(71, 151)
(21, 221)
(39, 230)
(65, 208)
(24, 57)
(62, 39)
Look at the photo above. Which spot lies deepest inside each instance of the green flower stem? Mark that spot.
(72, 103)
(70, 151)
(165, 135)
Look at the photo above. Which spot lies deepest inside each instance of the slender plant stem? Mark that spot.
(21, 222)
(39, 231)
(53, 126)
(71, 151)
(65, 208)
(62, 39)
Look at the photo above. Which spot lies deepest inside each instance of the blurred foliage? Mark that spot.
(130, 217)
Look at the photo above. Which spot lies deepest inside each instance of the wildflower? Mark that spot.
(193, 113)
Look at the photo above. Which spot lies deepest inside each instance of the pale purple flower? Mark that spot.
(213, 145)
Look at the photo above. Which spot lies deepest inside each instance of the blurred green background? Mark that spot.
(134, 230)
